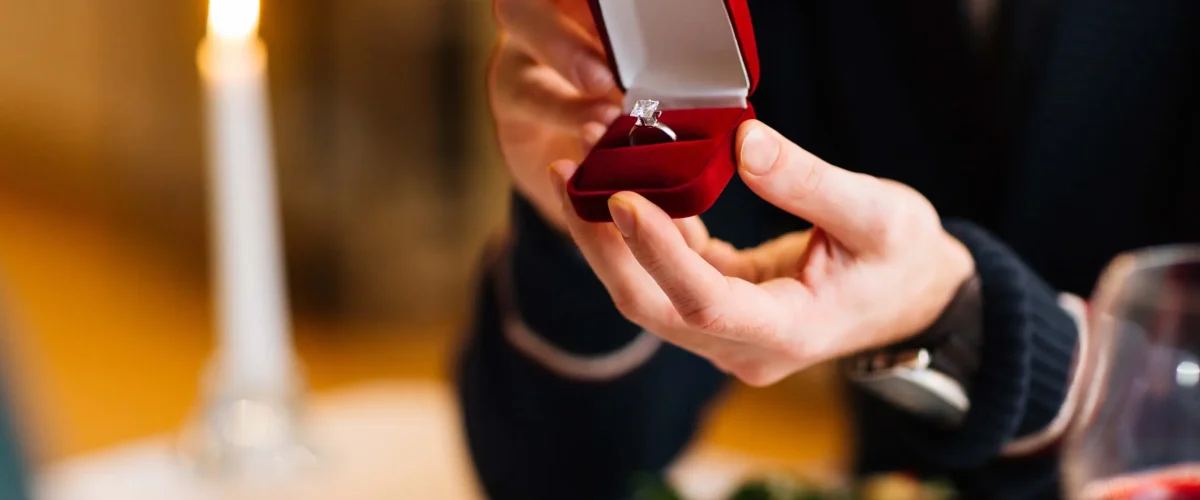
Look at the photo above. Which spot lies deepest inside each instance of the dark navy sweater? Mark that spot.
(1069, 138)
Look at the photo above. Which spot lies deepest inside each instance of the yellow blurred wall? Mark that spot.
(101, 109)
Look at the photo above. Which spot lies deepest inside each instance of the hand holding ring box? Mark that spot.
(697, 62)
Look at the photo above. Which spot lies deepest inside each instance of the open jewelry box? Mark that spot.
(699, 60)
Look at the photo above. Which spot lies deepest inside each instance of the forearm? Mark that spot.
(585, 409)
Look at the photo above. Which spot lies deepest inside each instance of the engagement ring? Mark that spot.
(648, 129)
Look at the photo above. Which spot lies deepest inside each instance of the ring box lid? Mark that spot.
(686, 54)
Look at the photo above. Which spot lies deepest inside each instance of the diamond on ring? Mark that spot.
(647, 113)
(648, 130)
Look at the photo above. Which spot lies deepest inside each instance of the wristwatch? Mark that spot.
(929, 375)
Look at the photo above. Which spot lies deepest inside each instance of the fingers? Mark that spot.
(704, 298)
(522, 85)
(853, 208)
(554, 39)
(580, 13)
(721, 255)
(778, 258)
(633, 291)
(694, 232)
(729, 261)
(670, 290)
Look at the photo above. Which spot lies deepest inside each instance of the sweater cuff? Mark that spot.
(554, 292)
(1022, 382)
(1029, 346)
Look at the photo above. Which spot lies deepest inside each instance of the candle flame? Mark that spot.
(233, 20)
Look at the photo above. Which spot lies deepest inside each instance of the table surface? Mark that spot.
(365, 438)
(111, 337)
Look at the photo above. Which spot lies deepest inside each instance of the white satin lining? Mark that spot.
(682, 53)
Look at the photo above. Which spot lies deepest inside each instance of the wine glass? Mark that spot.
(1137, 433)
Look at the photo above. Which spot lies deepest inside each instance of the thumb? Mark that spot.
(851, 207)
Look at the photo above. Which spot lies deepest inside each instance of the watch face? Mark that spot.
(926, 394)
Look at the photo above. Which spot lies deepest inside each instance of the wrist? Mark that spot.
(957, 267)
(947, 269)
(930, 374)
(1022, 376)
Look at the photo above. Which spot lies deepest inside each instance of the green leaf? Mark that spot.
(756, 490)
(652, 487)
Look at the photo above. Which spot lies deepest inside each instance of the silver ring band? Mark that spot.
(648, 130)
(645, 135)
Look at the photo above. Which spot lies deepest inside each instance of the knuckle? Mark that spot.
(630, 307)
(924, 217)
(697, 314)
(911, 217)
(888, 227)
(888, 221)
(808, 177)
(653, 263)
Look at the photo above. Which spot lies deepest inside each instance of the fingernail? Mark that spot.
(595, 78)
(623, 215)
(759, 152)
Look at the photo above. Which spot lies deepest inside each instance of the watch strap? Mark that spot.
(955, 340)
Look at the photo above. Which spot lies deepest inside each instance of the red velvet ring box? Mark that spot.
(698, 59)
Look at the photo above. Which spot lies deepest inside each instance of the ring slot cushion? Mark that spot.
(698, 59)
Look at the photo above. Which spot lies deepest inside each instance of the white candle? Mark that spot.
(254, 350)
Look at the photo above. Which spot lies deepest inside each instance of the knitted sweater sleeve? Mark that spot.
(1020, 387)
(561, 396)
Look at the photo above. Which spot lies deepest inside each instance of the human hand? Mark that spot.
(550, 90)
(876, 269)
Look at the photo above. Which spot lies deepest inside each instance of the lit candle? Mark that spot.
(254, 350)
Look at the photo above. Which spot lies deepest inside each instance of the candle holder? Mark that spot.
(249, 431)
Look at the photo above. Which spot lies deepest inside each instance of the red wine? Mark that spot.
(1179, 484)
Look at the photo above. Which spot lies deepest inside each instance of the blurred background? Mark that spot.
(390, 185)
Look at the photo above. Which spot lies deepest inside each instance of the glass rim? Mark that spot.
(1161, 255)
(1128, 264)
